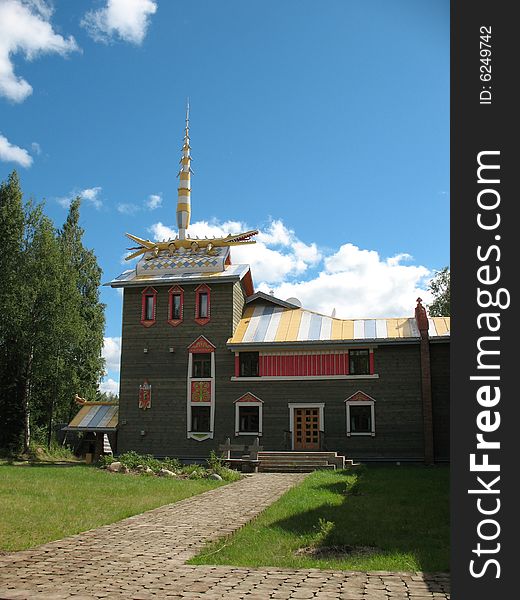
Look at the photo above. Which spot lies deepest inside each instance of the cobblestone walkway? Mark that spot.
(143, 557)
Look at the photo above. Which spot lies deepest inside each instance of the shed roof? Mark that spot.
(95, 416)
(268, 324)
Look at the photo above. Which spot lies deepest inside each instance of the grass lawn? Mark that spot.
(402, 511)
(44, 503)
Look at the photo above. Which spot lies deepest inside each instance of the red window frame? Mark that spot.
(202, 289)
(175, 291)
(148, 292)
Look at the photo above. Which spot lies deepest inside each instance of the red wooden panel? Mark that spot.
(372, 366)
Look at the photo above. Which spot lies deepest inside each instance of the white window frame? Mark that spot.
(238, 405)
(199, 436)
(371, 403)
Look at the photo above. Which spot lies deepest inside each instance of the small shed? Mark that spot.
(99, 419)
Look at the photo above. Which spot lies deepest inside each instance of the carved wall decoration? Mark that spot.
(145, 395)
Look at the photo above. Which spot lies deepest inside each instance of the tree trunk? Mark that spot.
(51, 403)
(27, 403)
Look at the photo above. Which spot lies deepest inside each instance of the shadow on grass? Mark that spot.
(54, 463)
(399, 511)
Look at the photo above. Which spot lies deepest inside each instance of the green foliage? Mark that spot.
(440, 288)
(216, 465)
(51, 331)
(12, 224)
(106, 397)
(323, 530)
(131, 460)
(54, 453)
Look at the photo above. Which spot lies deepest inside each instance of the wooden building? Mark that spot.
(205, 358)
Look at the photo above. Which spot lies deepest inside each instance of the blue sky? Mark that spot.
(323, 124)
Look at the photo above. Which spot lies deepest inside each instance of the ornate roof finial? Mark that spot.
(184, 189)
(421, 316)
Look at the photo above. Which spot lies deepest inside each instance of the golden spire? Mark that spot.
(184, 189)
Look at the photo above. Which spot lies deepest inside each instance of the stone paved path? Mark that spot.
(143, 557)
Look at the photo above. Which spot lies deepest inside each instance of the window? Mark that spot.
(360, 414)
(202, 304)
(360, 419)
(175, 306)
(359, 363)
(248, 415)
(248, 364)
(148, 306)
(200, 418)
(201, 365)
(248, 419)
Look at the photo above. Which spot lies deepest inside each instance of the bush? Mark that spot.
(215, 463)
(131, 460)
(55, 452)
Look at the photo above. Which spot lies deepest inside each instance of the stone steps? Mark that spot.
(294, 468)
(300, 462)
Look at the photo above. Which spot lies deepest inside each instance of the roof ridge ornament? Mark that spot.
(184, 189)
(183, 241)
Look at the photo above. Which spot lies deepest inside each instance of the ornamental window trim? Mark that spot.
(353, 401)
(246, 400)
(199, 291)
(190, 403)
(175, 291)
(148, 292)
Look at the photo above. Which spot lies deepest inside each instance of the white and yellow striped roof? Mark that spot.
(95, 416)
(266, 323)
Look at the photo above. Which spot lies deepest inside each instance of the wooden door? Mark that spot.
(306, 428)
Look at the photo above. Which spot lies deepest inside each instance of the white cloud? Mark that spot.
(11, 153)
(269, 264)
(154, 201)
(112, 353)
(36, 148)
(126, 19)
(128, 208)
(91, 195)
(359, 283)
(25, 28)
(356, 282)
(110, 386)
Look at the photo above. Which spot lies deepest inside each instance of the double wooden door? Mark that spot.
(306, 428)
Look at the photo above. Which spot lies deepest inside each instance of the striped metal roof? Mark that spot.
(263, 323)
(95, 417)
